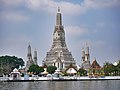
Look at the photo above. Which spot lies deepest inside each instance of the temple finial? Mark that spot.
(87, 48)
(58, 17)
(58, 9)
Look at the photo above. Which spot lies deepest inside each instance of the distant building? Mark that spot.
(86, 58)
(95, 65)
(30, 60)
(95, 68)
(59, 55)
(71, 70)
(35, 57)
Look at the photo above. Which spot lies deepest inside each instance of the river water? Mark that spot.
(62, 85)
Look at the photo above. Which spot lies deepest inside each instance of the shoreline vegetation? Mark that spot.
(17, 72)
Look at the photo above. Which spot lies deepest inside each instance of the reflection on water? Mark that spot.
(61, 85)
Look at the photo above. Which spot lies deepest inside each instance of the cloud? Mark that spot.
(97, 47)
(75, 30)
(13, 17)
(101, 24)
(68, 7)
(11, 2)
(51, 5)
(14, 45)
(72, 9)
(100, 3)
(99, 44)
(14, 40)
(35, 4)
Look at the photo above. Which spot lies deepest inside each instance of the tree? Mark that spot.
(117, 69)
(118, 65)
(110, 69)
(35, 69)
(82, 72)
(8, 63)
(51, 69)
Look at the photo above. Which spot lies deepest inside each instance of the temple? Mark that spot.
(86, 58)
(31, 60)
(59, 54)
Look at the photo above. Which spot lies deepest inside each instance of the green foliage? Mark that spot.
(110, 69)
(82, 72)
(51, 69)
(118, 66)
(35, 69)
(8, 63)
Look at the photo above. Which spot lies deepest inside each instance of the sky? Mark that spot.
(96, 22)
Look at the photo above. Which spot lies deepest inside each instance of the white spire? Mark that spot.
(35, 54)
(58, 9)
(58, 17)
(29, 49)
(29, 55)
(35, 57)
(83, 52)
(87, 48)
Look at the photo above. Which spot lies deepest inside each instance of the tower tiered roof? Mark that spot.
(59, 48)
(95, 65)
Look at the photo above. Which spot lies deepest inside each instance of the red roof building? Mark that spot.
(95, 65)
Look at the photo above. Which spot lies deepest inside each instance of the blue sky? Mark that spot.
(96, 22)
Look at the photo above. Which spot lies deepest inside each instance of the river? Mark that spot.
(62, 85)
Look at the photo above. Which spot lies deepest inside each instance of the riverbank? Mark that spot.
(62, 79)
